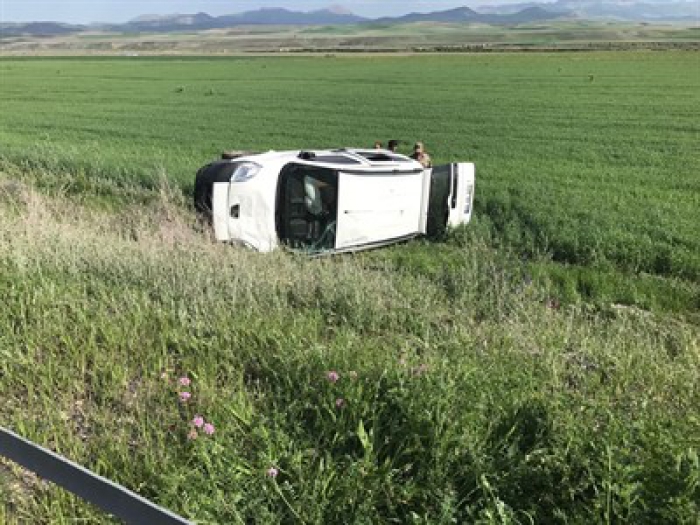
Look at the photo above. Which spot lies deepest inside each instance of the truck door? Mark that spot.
(376, 208)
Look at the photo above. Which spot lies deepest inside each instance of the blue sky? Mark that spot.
(82, 11)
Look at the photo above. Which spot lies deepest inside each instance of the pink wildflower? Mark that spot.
(208, 429)
(272, 472)
(184, 381)
(184, 396)
(340, 402)
(198, 421)
(333, 376)
(192, 435)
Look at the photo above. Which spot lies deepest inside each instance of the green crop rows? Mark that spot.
(540, 365)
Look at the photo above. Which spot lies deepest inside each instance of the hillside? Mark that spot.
(501, 15)
(416, 37)
(276, 17)
(466, 15)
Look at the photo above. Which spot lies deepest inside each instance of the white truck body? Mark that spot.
(331, 200)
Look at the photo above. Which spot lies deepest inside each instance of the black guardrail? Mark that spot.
(105, 494)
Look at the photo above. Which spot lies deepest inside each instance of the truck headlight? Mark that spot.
(245, 171)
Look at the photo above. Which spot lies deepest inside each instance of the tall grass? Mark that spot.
(465, 393)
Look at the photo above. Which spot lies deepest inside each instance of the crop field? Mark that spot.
(538, 366)
(589, 160)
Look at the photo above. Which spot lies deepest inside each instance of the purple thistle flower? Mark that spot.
(208, 429)
(184, 396)
(198, 421)
(184, 381)
(272, 472)
(340, 402)
(333, 376)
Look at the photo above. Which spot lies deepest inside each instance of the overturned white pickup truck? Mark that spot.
(331, 200)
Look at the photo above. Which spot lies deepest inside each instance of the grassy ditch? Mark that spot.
(355, 389)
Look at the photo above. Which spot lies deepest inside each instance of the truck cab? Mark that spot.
(331, 201)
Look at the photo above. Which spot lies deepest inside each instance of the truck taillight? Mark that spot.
(468, 201)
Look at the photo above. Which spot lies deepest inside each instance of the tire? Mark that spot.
(204, 185)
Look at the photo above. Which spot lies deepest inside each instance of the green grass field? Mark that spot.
(588, 160)
(540, 365)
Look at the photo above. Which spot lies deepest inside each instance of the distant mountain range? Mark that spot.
(464, 14)
(267, 16)
(659, 10)
(38, 29)
(503, 14)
